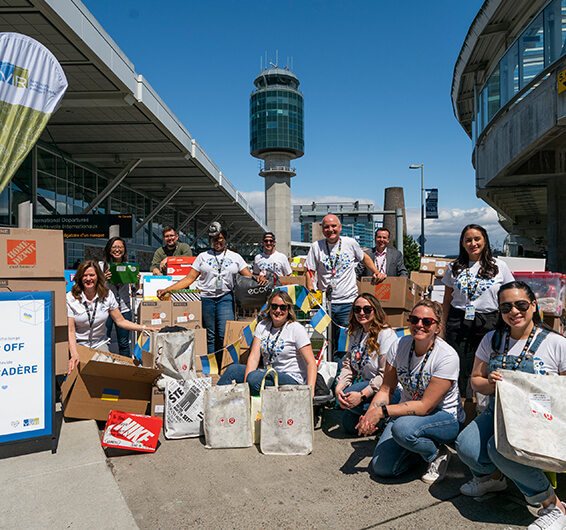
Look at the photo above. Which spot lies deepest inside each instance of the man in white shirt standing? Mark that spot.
(270, 259)
(388, 261)
(334, 260)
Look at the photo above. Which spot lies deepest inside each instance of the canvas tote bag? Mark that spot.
(175, 353)
(286, 426)
(530, 419)
(227, 416)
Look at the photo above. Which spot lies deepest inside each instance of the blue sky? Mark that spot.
(376, 77)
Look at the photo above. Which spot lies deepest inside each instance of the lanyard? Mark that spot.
(519, 359)
(419, 376)
(90, 318)
(219, 263)
(334, 262)
(471, 290)
(270, 346)
(359, 352)
(380, 268)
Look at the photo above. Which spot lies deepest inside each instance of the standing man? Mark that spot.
(172, 247)
(388, 261)
(270, 259)
(334, 260)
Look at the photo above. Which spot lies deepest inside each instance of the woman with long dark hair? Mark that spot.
(470, 298)
(370, 338)
(521, 341)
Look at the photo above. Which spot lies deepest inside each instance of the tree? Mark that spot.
(411, 253)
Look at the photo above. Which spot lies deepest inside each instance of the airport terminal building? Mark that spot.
(114, 147)
(509, 95)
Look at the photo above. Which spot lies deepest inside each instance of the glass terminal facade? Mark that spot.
(276, 114)
(540, 45)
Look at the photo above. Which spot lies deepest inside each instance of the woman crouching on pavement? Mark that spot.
(429, 414)
(370, 338)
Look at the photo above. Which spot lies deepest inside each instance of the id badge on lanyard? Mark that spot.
(219, 283)
(470, 312)
(333, 279)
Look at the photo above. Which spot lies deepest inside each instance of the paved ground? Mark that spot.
(185, 485)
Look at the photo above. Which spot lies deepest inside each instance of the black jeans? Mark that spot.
(465, 336)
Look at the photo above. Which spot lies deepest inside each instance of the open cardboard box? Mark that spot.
(94, 388)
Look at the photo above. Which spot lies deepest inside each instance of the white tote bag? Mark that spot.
(184, 407)
(227, 416)
(530, 419)
(286, 426)
(175, 353)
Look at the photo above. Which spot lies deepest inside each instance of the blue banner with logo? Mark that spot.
(431, 203)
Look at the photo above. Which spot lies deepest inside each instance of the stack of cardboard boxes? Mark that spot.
(33, 260)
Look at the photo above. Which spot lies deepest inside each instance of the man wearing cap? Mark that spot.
(270, 259)
(388, 261)
(334, 260)
(172, 247)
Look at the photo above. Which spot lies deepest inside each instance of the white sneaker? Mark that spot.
(549, 518)
(479, 486)
(437, 468)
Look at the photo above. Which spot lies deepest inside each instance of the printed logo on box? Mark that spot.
(383, 291)
(20, 252)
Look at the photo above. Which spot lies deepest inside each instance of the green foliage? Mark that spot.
(411, 253)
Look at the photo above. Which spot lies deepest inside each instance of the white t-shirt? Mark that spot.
(344, 254)
(484, 297)
(77, 310)
(386, 339)
(285, 354)
(550, 357)
(209, 264)
(443, 363)
(276, 262)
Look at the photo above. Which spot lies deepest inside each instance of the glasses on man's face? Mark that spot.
(281, 307)
(269, 241)
(427, 322)
(367, 309)
(521, 305)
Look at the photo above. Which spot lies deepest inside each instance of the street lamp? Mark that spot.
(421, 167)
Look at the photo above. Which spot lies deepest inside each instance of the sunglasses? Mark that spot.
(521, 305)
(269, 240)
(427, 322)
(281, 307)
(367, 309)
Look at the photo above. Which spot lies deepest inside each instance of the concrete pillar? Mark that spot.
(394, 198)
(278, 209)
(556, 209)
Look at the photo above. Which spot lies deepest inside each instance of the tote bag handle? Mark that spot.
(275, 378)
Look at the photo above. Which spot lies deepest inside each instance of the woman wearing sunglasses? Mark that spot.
(520, 341)
(470, 297)
(282, 343)
(429, 413)
(370, 338)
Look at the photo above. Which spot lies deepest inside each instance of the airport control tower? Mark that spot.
(277, 137)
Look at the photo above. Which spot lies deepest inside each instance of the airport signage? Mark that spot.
(431, 203)
(86, 226)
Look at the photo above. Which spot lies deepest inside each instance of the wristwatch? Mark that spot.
(364, 397)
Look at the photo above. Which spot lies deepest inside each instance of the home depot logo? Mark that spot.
(20, 252)
(383, 291)
(133, 431)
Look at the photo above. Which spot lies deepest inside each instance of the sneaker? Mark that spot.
(437, 468)
(479, 486)
(549, 518)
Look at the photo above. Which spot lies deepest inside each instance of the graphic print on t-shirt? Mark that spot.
(467, 282)
(409, 381)
(344, 260)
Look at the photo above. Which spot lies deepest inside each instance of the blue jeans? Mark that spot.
(476, 448)
(236, 372)
(123, 335)
(215, 313)
(340, 314)
(407, 439)
(351, 417)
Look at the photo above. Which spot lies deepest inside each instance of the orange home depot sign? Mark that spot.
(383, 291)
(21, 252)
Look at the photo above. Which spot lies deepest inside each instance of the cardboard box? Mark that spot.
(61, 350)
(441, 267)
(422, 279)
(29, 253)
(397, 318)
(298, 265)
(155, 314)
(157, 406)
(135, 432)
(428, 265)
(186, 314)
(293, 280)
(392, 293)
(94, 388)
(233, 331)
(59, 309)
(180, 265)
(152, 284)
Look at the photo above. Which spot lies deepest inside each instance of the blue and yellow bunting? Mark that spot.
(402, 332)
(343, 340)
(320, 320)
(209, 364)
(234, 351)
(140, 345)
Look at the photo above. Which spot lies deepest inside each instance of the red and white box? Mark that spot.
(132, 431)
(179, 265)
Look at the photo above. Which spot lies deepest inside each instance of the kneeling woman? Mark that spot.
(370, 338)
(284, 345)
(520, 341)
(430, 412)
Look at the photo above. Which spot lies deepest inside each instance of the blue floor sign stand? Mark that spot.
(27, 384)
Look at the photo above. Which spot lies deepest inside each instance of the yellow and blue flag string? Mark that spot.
(141, 345)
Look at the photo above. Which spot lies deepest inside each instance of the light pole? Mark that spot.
(421, 167)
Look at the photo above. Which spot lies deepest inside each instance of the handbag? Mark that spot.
(227, 416)
(530, 419)
(248, 294)
(175, 353)
(286, 426)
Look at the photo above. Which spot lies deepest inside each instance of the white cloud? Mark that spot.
(442, 234)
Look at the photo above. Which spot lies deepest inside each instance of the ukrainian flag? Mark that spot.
(140, 345)
(248, 333)
(234, 351)
(109, 394)
(304, 300)
(402, 332)
(343, 340)
(209, 364)
(320, 320)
